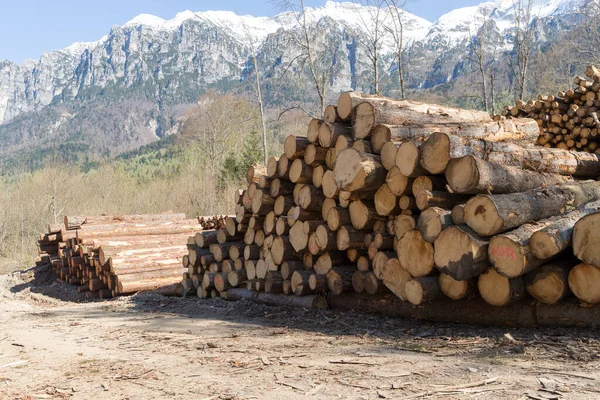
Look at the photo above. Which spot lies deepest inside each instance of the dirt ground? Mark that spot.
(53, 345)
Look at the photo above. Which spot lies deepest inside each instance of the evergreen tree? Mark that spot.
(252, 152)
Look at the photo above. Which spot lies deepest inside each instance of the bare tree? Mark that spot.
(259, 97)
(312, 56)
(396, 30)
(480, 59)
(523, 43)
(375, 29)
(585, 38)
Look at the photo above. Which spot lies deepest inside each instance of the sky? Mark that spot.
(28, 28)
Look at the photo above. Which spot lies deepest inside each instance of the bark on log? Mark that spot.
(394, 276)
(520, 314)
(274, 282)
(550, 282)
(499, 291)
(456, 290)
(295, 146)
(425, 289)
(339, 279)
(427, 199)
(557, 236)
(461, 253)
(372, 112)
(300, 172)
(307, 302)
(586, 239)
(337, 217)
(473, 175)
(492, 214)
(440, 148)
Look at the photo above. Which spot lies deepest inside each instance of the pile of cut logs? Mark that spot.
(433, 204)
(111, 255)
(568, 120)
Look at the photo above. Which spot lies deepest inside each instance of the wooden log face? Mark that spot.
(453, 289)
(358, 171)
(415, 254)
(549, 283)
(394, 277)
(584, 282)
(498, 290)
(408, 159)
(460, 253)
(586, 239)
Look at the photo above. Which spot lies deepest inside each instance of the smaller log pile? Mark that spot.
(569, 120)
(446, 210)
(106, 256)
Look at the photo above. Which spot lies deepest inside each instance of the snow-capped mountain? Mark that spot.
(126, 87)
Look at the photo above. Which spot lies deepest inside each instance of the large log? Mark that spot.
(498, 290)
(461, 253)
(432, 222)
(295, 146)
(386, 202)
(329, 133)
(300, 171)
(339, 279)
(408, 159)
(557, 236)
(363, 215)
(358, 171)
(586, 239)
(473, 175)
(395, 276)
(550, 282)
(415, 254)
(307, 302)
(371, 112)
(388, 153)
(424, 289)
(492, 214)
(520, 314)
(456, 290)
(90, 232)
(440, 148)
(584, 282)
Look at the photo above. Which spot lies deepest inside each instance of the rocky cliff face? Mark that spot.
(129, 87)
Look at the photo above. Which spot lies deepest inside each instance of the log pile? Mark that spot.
(428, 203)
(569, 120)
(106, 256)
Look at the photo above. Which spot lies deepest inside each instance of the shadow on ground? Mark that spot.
(383, 333)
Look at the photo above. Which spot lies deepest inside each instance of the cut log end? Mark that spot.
(584, 281)
(482, 216)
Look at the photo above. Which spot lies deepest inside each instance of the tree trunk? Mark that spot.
(427, 199)
(557, 236)
(550, 283)
(456, 290)
(348, 237)
(425, 289)
(363, 215)
(408, 159)
(492, 214)
(498, 290)
(395, 276)
(274, 282)
(282, 250)
(439, 149)
(473, 175)
(586, 239)
(310, 198)
(307, 302)
(300, 172)
(432, 222)
(372, 112)
(415, 254)
(295, 146)
(461, 253)
(358, 171)
(584, 282)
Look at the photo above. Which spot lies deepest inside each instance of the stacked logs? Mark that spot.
(568, 120)
(422, 201)
(106, 256)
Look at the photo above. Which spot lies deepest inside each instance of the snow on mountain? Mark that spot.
(152, 63)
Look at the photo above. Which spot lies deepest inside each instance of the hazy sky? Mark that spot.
(28, 28)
